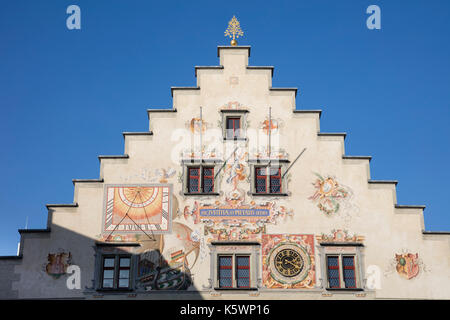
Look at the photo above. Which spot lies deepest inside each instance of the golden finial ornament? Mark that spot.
(234, 30)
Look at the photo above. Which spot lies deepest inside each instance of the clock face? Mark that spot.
(288, 262)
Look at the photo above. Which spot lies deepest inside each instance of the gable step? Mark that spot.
(284, 89)
(207, 68)
(62, 205)
(447, 233)
(332, 134)
(309, 111)
(402, 206)
(183, 88)
(357, 157)
(143, 133)
(123, 156)
(87, 181)
(34, 230)
(383, 182)
(261, 68)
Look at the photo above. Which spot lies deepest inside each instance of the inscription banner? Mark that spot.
(223, 212)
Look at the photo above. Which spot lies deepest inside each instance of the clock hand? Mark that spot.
(291, 263)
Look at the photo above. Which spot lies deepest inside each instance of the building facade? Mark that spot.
(233, 193)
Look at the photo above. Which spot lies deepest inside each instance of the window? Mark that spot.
(268, 179)
(234, 271)
(208, 179)
(275, 180)
(341, 272)
(194, 179)
(116, 272)
(233, 127)
(225, 272)
(243, 271)
(234, 124)
(349, 271)
(333, 272)
(200, 179)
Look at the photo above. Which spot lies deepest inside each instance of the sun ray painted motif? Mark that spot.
(137, 209)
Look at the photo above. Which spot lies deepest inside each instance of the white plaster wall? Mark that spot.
(387, 230)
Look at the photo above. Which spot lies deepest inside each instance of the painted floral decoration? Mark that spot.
(328, 194)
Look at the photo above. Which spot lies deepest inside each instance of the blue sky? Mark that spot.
(66, 96)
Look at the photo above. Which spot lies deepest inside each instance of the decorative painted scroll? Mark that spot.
(288, 261)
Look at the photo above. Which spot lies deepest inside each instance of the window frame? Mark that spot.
(116, 271)
(247, 267)
(357, 271)
(198, 178)
(236, 132)
(349, 268)
(251, 250)
(234, 270)
(201, 189)
(220, 267)
(268, 179)
(204, 177)
(234, 113)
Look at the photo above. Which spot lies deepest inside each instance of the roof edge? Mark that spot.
(309, 111)
(403, 206)
(62, 205)
(47, 230)
(87, 181)
(383, 182)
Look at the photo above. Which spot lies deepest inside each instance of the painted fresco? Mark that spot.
(339, 235)
(236, 222)
(136, 209)
(288, 261)
(169, 267)
(406, 264)
(328, 194)
(233, 105)
(160, 175)
(233, 217)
